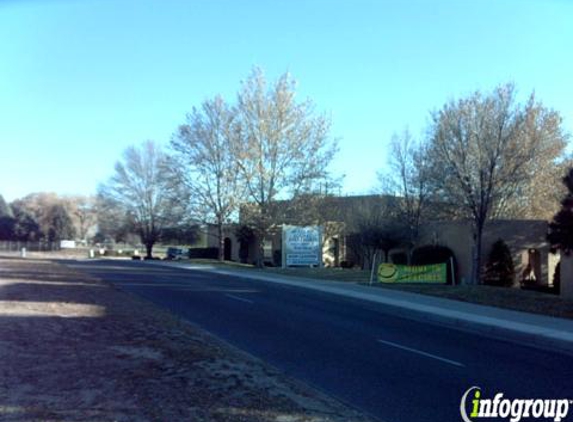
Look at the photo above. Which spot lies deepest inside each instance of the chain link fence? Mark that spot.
(32, 246)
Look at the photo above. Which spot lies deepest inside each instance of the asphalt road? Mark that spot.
(394, 368)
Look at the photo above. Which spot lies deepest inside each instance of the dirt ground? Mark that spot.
(73, 348)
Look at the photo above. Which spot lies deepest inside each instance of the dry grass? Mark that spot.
(501, 297)
(330, 274)
(76, 349)
(506, 298)
(217, 263)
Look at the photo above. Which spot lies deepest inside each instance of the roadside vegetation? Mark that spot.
(500, 297)
(262, 159)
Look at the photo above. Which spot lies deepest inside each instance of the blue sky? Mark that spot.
(80, 80)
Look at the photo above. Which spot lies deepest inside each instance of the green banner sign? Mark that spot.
(392, 273)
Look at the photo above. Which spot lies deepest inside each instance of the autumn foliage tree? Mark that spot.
(282, 147)
(61, 226)
(40, 216)
(561, 227)
(484, 150)
(204, 165)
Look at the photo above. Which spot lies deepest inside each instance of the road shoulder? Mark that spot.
(548, 333)
(76, 348)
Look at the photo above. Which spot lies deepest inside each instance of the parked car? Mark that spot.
(176, 254)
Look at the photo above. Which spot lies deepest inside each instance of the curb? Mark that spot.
(538, 337)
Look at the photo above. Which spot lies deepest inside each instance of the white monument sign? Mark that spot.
(302, 246)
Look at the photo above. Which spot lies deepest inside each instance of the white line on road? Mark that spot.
(239, 298)
(429, 355)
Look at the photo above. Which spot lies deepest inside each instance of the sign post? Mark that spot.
(301, 246)
(373, 267)
(426, 274)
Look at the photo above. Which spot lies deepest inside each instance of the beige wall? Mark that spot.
(228, 232)
(458, 237)
(522, 236)
(519, 235)
(332, 234)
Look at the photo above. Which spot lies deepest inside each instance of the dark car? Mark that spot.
(175, 254)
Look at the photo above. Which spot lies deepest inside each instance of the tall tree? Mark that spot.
(37, 205)
(25, 225)
(483, 151)
(83, 212)
(6, 220)
(6, 228)
(373, 226)
(205, 165)
(5, 210)
(21, 226)
(139, 190)
(283, 148)
(408, 177)
(113, 222)
(539, 193)
(61, 226)
(561, 227)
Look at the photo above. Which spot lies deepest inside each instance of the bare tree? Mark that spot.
(483, 151)
(316, 206)
(373, 226)
(282, 147)
(83, 212)
(205, 165)
(408, 179)
(139, 190)
(113, 222)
